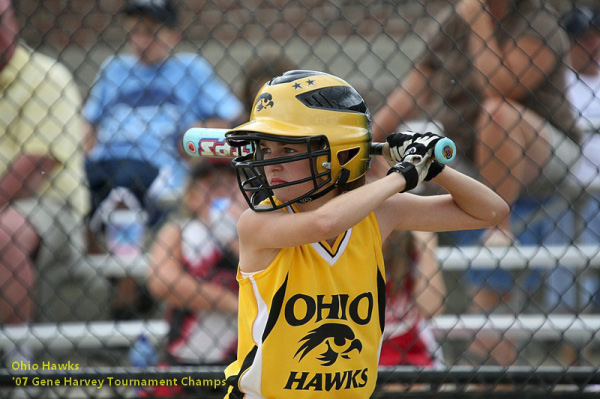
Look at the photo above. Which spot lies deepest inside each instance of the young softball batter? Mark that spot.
(311, 273)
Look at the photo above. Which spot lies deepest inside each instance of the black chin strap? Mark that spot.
(341, 181)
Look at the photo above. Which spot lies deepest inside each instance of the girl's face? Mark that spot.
(286, 172)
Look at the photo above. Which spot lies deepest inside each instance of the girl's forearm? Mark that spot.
(346, 210)
(473, 197)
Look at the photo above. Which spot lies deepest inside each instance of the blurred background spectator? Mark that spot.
(193, 264)
(583, 80)
(481, 56)
(258, 71)
(43, 197)
(494, 77)
(416, 292)
(137, 110)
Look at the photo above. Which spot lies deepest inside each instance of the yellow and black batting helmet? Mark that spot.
(315, 108)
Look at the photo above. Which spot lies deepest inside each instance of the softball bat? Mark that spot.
(211, 143)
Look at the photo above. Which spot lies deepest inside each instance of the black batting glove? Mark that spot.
(434, 169)
(410, 143)
(414, 172)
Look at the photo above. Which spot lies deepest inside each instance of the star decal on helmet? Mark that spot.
(297, 86)
(310, 82)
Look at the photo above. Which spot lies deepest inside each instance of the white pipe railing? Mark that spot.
(451, 259)
(105, 334)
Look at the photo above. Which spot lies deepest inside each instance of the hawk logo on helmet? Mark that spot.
(265, 100)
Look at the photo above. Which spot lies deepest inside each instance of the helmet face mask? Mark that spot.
(314, 109)
(252, 178)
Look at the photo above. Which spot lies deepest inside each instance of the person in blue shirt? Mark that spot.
(139, 106)
(142, 102)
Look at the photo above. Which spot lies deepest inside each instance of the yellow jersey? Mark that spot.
(311, 323)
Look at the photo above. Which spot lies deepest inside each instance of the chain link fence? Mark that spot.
(92, 309)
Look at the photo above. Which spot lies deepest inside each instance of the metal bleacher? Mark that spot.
(450, 258)
(105, 334)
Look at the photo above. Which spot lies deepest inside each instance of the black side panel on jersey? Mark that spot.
(233, 380)
(276, 306)
(381, 299)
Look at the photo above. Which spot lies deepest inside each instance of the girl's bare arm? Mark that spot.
(469, 205)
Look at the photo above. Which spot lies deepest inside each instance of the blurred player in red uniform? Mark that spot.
(415, 292)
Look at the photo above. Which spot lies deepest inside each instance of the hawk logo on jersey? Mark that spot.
(339, 334)
(265, 100)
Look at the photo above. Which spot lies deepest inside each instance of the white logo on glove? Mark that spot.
(411, 150)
